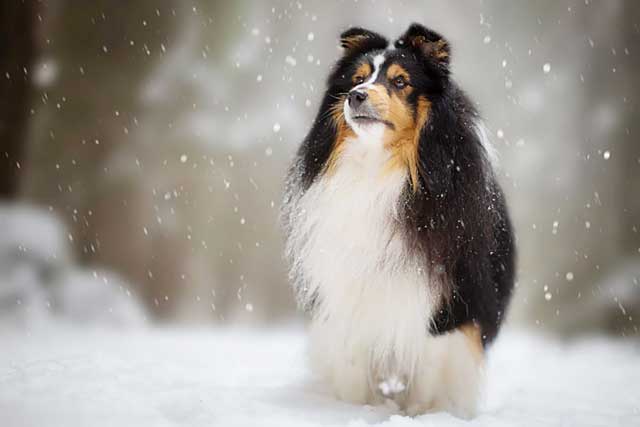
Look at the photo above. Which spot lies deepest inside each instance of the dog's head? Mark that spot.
(389, 92)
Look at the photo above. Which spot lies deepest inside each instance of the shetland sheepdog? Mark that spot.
(398, 236)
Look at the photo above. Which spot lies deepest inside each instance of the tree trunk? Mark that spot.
(17, 53)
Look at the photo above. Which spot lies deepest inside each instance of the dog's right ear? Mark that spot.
(427, 43)
(358, 40)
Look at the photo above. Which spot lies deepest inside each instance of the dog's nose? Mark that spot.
(356, 98)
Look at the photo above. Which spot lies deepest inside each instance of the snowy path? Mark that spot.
(259, 378)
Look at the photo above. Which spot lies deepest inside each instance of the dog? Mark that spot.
(397, 231)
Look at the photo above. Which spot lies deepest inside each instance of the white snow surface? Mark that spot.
(63, 376)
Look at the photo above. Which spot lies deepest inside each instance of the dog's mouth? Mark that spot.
(362, 119)
(366, 119)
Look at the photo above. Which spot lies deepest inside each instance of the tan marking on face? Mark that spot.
(395, 71)
(473, 335)
(379, 99)
(364, 71)
(404, 139)
(343, 131)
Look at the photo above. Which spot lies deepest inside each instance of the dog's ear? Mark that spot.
(426, 43)
(358, 40)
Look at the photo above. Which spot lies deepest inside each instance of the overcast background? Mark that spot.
(143, 147)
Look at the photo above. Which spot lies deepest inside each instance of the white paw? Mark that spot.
(391, 386)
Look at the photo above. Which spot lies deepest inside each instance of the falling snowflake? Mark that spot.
(290, 60)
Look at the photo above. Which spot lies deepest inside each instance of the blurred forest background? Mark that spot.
(143, 146)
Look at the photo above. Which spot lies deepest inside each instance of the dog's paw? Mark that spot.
(391, 387)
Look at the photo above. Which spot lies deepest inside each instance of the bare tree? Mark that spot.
(17, 53)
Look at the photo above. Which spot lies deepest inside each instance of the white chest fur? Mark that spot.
(374, 298)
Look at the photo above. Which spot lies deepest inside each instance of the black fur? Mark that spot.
(457, 219)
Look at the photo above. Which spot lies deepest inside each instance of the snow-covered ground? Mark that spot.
(231, 377)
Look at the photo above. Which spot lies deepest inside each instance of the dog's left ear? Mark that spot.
(426, 43)
(358, 40)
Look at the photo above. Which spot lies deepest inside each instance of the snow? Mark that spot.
(33, 232)
(62, 376)
(40, 281)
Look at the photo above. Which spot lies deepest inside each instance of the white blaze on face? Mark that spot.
(370, 130)
(377, 65)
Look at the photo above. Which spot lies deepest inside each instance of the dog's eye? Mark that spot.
(358, 80)
(400, 82)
